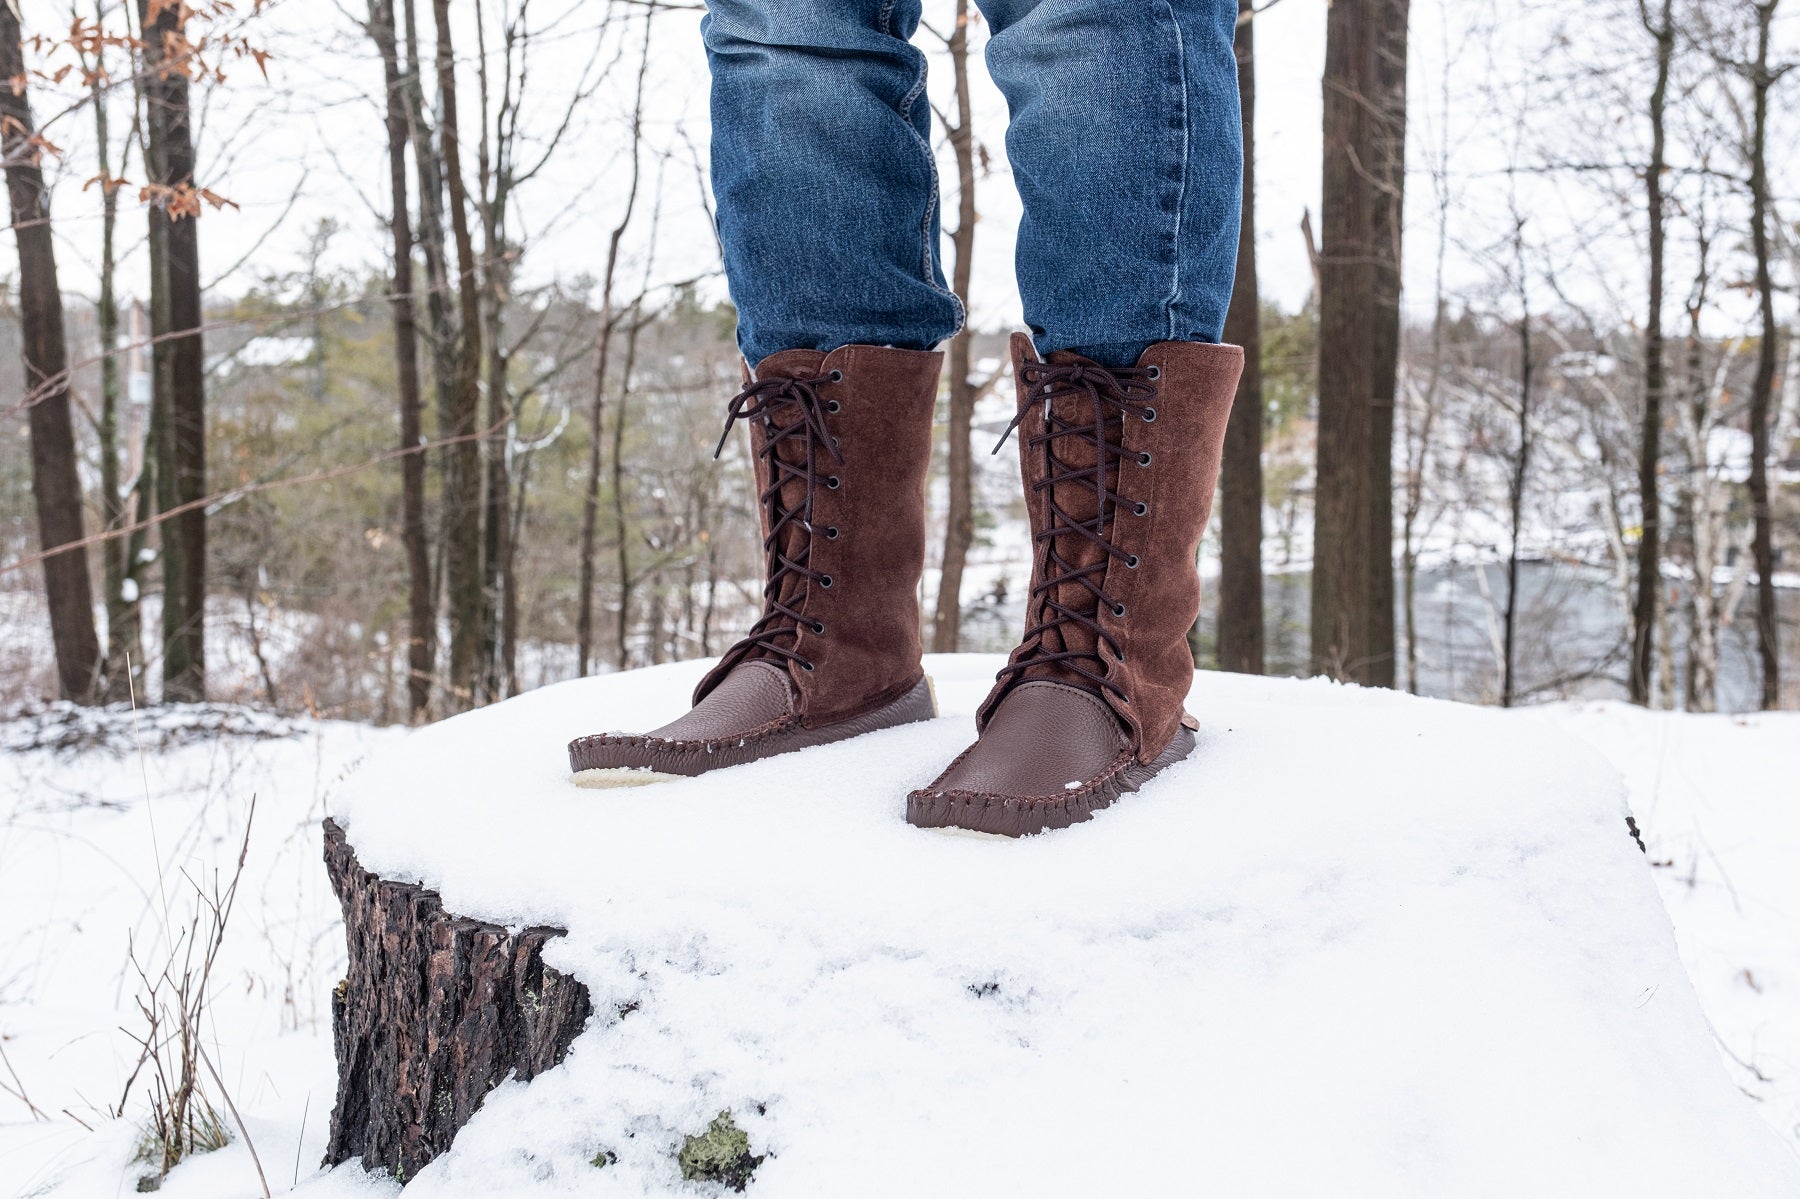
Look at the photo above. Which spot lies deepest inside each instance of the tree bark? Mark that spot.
(1649, 555)
(1343, 507)
(590, 496)
(421, 650)
(435, 1012)
(959, 521)
(462, 464)
(1241, 480)
(1387, 227)
(123, 654)
(1509, 691)
(176, 322)
(1762, 387)
(55, 475)
(497, 144)
(440, 325)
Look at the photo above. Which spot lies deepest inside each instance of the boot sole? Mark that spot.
(659, 764)
(962, 812)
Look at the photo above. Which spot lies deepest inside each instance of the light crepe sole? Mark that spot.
(621, 776)
(610, 778)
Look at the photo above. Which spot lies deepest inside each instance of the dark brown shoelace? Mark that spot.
(788, 547)
(1113, 394)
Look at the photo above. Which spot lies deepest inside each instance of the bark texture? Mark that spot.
(55, 475)
(462, 490)
(1241, 482)
(421, 612)
(959, 524)
(1649, 568)
(1387, 153)
(1342, 531)
(436, 1011)
(178, 357)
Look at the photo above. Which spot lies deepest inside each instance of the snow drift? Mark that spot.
(1359, 944)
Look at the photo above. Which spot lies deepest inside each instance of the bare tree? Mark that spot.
(120, 558)
(462, 463)
(55, 478)
(421, 611)
(1343, 506)
(1241, 480)
(179, 358)
(959, 522)
(1521, 467)
(1762, 77)
(1387, 166)
(590, 504)
(1661, 29)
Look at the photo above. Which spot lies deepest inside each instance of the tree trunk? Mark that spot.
(435, 1012)
(1703, 525)
(421, 617)
(1509, 691)
(621, 530)
(590, 497)
(1762, 388)
(440, 325)
(1241, 481)
(462, 464)
(124, 654)
(1342, 529)
(1387, 227)
(959, 522)
(1649, 563)
(176, 323)
(55, 475)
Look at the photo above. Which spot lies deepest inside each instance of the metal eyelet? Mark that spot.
(818, 628)
(806, 666)
(1154, 373)
(1131, 563)
(833, 406)
(1149, 415)
(1118, 610)
(833, 482)
(836, 376)
(1144, 458)
(825, 582)
(831, 534)
(1140, 509)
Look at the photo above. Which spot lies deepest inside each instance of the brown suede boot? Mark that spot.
(842, 441)
(1119, 469)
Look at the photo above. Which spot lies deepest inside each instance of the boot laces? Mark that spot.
(803, 436)
(1113, 394)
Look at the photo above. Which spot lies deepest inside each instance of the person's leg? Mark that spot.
(1127, 150)
(827, 203)
(1126, 146)
(824, 177)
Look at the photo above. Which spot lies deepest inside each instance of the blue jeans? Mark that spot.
(1125, 146)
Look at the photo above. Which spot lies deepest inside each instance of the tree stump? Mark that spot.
(435, 1012)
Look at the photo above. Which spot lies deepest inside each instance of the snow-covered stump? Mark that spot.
(434, 1012)
(1359, 944)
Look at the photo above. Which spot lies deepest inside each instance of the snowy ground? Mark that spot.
(1424, 983)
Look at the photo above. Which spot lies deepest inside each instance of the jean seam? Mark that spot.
(1187, 134)
(931, 202)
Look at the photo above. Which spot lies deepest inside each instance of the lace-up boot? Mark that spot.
(841, 444)
(1119, 468)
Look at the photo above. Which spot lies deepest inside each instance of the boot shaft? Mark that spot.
(841, 473)
(1119, 485)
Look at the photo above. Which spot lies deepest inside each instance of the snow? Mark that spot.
(1360, 945)
(1421, 957)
